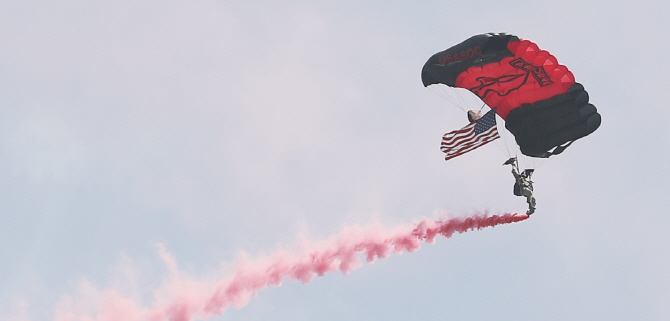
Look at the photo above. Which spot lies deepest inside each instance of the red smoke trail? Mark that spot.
(343, 254)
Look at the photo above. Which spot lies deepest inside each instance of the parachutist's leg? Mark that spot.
(531, 201)
(531, 204)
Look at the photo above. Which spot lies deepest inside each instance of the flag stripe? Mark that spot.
(476, 134)
(464, 149)
(481, 141)
(482, 138)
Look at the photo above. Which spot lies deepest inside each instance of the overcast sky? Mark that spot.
(216, 128)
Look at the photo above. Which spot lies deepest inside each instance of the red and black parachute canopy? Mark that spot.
(538, 98)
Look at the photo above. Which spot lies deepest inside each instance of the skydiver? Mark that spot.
(523, 186)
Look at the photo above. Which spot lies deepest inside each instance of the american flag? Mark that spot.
(478, 133)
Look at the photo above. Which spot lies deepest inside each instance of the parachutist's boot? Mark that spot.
(531, 210)
(510, 161)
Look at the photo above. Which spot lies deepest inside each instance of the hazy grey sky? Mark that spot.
(222, 127)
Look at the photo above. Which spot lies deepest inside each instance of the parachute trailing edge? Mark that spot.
(553, 122)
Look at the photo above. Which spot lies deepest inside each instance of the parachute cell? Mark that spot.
(538, 98)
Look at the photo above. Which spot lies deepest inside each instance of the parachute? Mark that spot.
(542, 105)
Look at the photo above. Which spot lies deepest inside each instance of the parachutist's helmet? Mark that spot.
(528, 172)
